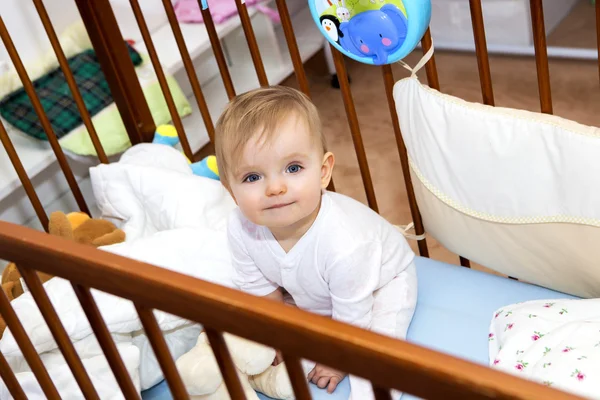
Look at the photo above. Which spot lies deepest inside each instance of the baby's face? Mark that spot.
(278, 184)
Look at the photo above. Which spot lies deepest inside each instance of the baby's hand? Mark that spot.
(325, 377)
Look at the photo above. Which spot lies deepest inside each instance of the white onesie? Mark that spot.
(351, 265)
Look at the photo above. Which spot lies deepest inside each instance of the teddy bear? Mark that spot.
(76, 226)
(202, 378)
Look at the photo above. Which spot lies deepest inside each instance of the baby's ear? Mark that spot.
(327, 169)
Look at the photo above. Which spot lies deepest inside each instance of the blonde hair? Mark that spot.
(258, 112)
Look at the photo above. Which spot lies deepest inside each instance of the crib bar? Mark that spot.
(388, 80)
(434, 83)
(252, 44)
(430, 66)
(297, 377)
(215, 43)
(381, 393)
(598, 34)
(483, 60)
(191, 72)
(64, 65)
(29, 89)
(290, 37)
(119, 71)
(106, 342)
(42, 300)
(9, 379)
(228, 369)
(27, 348)
(25, 181)
(383, 360)
(162, 353)
(162, 80)
(541, 55)
(359, 148)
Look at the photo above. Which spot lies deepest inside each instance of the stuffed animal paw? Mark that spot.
(207, 167)
(201, 375)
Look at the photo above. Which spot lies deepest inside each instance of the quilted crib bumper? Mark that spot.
(513, 190)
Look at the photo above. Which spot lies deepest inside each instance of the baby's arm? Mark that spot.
(352, 279)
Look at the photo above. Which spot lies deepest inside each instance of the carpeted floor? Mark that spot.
(575, 92)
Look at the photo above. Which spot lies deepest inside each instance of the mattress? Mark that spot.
(454, 300)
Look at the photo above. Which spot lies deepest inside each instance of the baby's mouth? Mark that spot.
(279, 205)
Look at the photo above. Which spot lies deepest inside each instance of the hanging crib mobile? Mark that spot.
(372, 31)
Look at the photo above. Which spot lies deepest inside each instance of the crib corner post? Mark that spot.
(119, 71)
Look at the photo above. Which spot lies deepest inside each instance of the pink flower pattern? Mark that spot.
(521, 364)
(580, 376)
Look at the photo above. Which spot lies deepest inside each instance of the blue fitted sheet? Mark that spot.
(455, 301)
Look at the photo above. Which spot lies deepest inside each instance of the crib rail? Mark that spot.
(386, 362)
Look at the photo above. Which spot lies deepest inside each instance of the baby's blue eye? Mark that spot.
(252, 178)
(292, 169)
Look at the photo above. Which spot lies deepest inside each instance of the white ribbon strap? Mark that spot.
(24, 285)
(405, 228)
(426, 57)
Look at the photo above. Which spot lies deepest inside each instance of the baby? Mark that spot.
(332, 254)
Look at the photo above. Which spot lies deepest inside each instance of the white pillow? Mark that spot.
(553, 342)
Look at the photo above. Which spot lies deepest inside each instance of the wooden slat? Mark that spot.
(9, 379)
(34, 284)
(106, 342)
(39, 110)
(290, 37)
(385, 361)
(29, 352)
(162, 353)
(64, 65)
(434, 83)
(252, 44)
(388, 80)
(297, 377)
(541, 55)
(190, 70)
(226, 365)
(359, 148)
(218, 51)
(119, 71)
(598, 33)
(22, 174)
(483, 61)
(431, 67)
(381, 393)
(162, 80)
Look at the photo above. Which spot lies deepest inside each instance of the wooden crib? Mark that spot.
(385, 362)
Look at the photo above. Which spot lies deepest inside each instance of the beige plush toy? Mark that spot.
(203, 380)
(76, 226)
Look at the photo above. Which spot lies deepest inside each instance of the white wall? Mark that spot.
(26, 29)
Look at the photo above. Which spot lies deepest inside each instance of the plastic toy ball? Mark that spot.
(374, 32)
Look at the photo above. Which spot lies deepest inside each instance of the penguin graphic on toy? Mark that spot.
(331, 25)
(207, 167)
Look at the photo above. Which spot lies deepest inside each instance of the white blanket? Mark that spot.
(172, 219)
(553, 342)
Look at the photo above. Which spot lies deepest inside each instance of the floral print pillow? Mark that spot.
(553, 342)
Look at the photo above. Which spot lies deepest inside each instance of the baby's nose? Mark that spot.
(276, 187)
